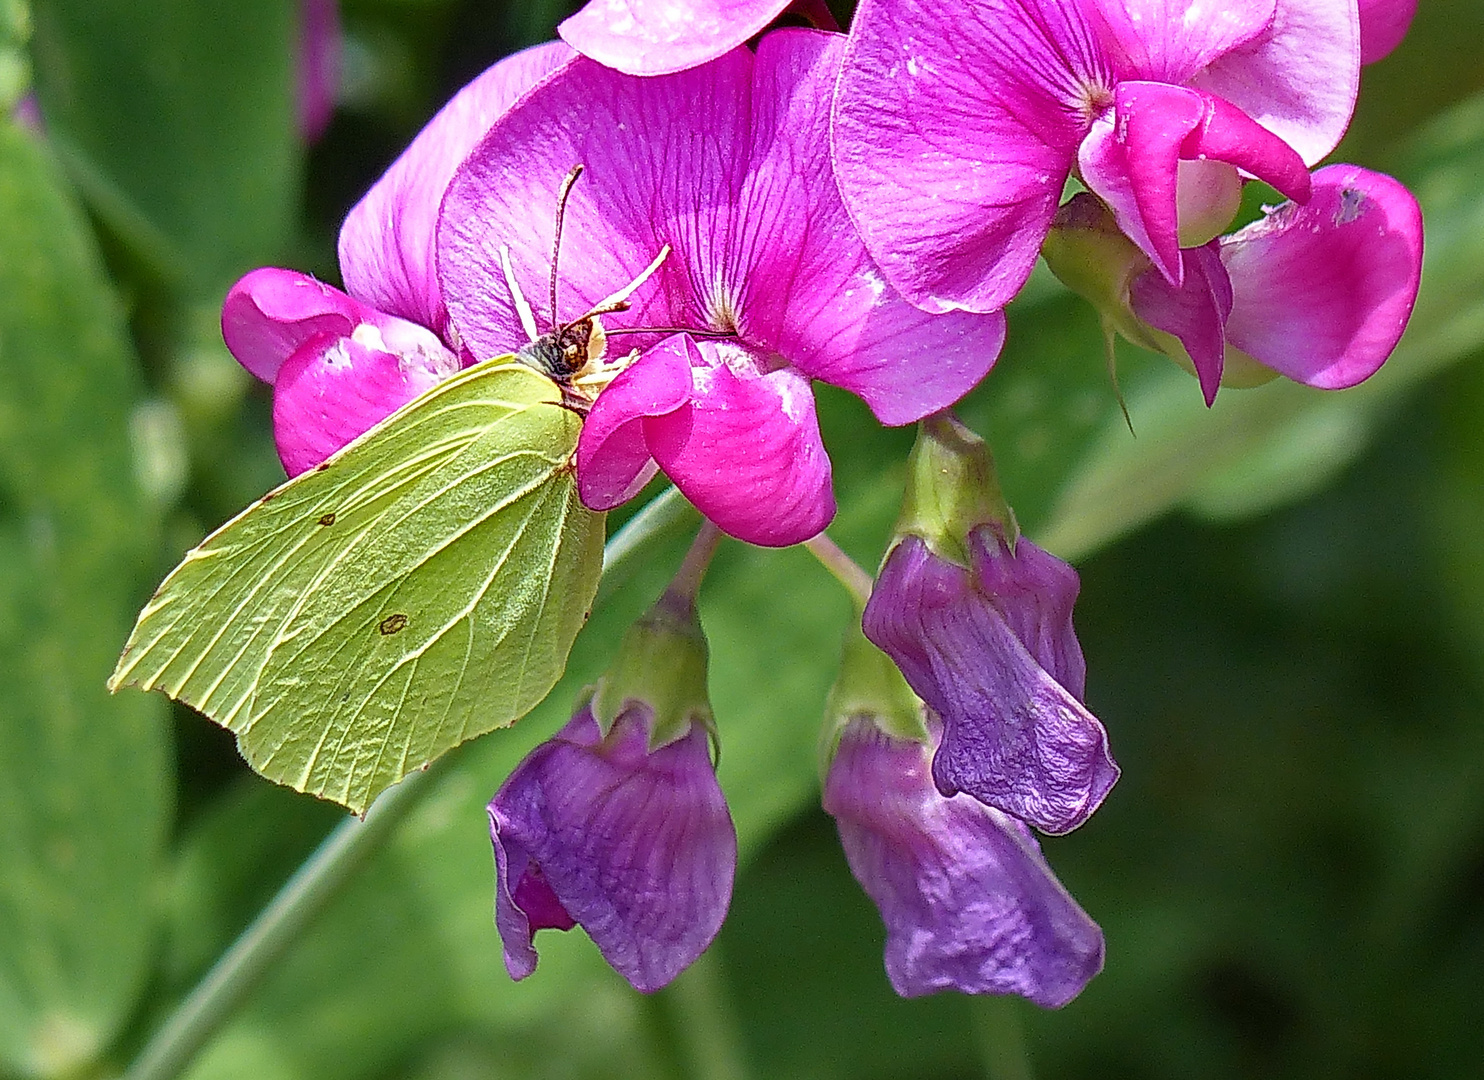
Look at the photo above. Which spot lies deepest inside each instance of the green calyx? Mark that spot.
(661, 665)
(869, 687)
(952, 489)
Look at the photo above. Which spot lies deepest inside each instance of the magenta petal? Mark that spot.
(968, 901)
(1228, 134)
(334, 389)
(747, 450)
(657, 38)
(612, 456)
(954, 136)
(1195, 312)
(1298, 78)
(1168, 41)
(269, 313)
(387, 241)
(1383, 24)
(1323, 291)
(636, 846)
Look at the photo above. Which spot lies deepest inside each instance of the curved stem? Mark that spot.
(319, 879)
(687, 581)
(846, 570)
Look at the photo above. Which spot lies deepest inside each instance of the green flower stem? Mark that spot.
(846, 570)
(309, 891)
(1001, 1036)
(687, 581)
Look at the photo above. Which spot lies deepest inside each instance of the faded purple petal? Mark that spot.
(953, 138)
(1299, 78)
(335, 388)
(269, 313)
(636, 847)
(613, 459)
(1383, 24)
(968, 901)
(318, 65)
(1196, 312)
(387, 241)
(645, 37)
(1013, 737)
(747, 450)
(1170, 40)
(1323, 291)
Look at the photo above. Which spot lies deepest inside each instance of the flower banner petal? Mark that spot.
(1168, 41)
(640, 38)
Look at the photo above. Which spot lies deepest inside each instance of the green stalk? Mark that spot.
(239, 970)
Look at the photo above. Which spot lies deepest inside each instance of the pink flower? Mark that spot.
(727, 165)
(1383, 24)
(340, 362)
(954, 137)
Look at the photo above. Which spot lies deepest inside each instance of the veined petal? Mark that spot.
(809, 291)
(968, 901)
(335, 388)
(269, 313)
(387, 241)
(1013, 737)
(1299, 78)
(746, 450)
(635, 846)
(657, 38)
(1196, 312)
(1168, 41)
(1323, 291)
(613, 459)
(1383, 24)
(953, 138)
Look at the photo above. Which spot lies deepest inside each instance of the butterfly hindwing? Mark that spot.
(422, 586)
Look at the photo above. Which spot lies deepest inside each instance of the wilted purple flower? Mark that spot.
(728, 166)
(318, 65)
(991, 649)
(341, 363)
(1319, 292)
(630, 842)
(658, 37)
(968, 901)
(955, 136)
(1383, 24)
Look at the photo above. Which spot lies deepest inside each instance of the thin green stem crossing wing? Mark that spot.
(422, 586)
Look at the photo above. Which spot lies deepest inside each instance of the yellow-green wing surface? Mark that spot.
(422, 586)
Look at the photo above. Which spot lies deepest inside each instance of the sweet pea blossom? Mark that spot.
(726, 166)
(1319, 292)
(340, 362)
(954, 136)
(968, 900)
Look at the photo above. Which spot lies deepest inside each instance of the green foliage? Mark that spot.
(85, 788)
(420, 587)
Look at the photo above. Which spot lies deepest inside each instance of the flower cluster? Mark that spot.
(854, 209)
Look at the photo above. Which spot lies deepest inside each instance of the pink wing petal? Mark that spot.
(270, 312)
(954, 136)
(809, 289)
(657, 37)
(1170, 40)
(747, 451)
(1383, 24)
(613, 459)
(1195, 312)
(386, 243)
(1299, 78)
(1323, 291)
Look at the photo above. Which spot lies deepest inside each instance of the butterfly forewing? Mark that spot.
(421, 587)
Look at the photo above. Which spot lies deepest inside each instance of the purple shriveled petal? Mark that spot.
(1013, 736)
(335, 388)
(657, 37)
(318, 68)
(968, 901)
(1383, 24)
(1196, 312)
(1323, 291)
(387, 241)
(728, 164)
(634, 845)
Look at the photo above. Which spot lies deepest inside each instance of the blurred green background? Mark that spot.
(1283, 612)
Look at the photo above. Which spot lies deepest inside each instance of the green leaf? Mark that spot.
(85, 780)
(176, 119)
(421, 587)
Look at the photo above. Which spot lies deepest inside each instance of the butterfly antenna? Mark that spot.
(522, 306)
(556, 249)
